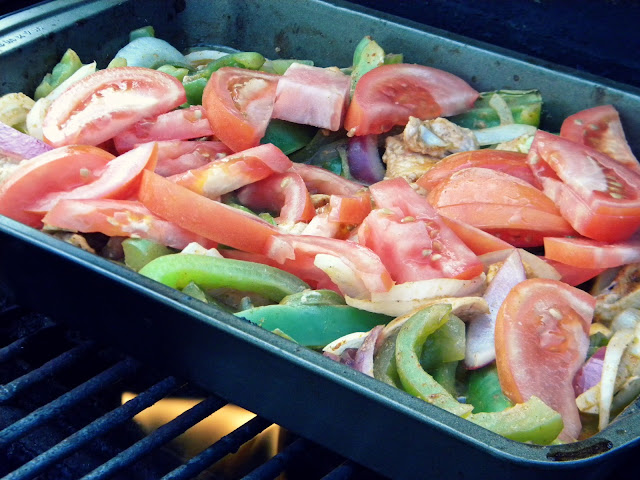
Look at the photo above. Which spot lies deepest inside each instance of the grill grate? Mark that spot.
(61, 415)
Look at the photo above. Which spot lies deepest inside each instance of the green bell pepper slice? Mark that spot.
(314, 297)
(384, 362)
(367, 56)
(313, 326)
(287, 136)
(178, 270)
(525, 106)
(446, 344)
(140, 251)
(69, 63)
(484, 391)
(147, 31)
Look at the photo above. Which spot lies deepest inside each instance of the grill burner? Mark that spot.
(61, 416)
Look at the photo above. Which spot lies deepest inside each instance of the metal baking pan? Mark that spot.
(348, 412)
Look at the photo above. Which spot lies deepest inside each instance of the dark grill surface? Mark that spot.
(61, 416)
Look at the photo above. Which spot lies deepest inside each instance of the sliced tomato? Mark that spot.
(311, 95)
(574, 275)
(181, 124)
(285, 193)
(121, 218)
(211, 219)
(600, 128)
(239, 103)
(301, 250)
(501, 204)
(478, 241)
(542, 337)
(388, 95)
(513, 163)
(177, 156)
(411, 238)
(351, 209)
(234, 171)
(107, 102)
(583, 252)
(120, 179)
(320, 180)
(59, 170)
(597, 195)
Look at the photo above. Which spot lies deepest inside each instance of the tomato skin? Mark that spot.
(320, 180)
(238, 104)
(573, 275)
(178, 156)
(107, 102)
(181, 124)
(478, 241)
(498, 203)
(389, 94)
(352, 209)
(59, 170)
(122, 218)
(608, 214)
(512, 163)
(542, 338)
(119, 179)
(587, 253)
(412, 240)
(282, 192)
(600, 128)
(234, 171)
(198, 214)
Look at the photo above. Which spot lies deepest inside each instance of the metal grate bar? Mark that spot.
(343, 472)
(276, 465)
(49, 368)
(98, 427)
(13, 349)
(227, 444)
(161, 436)
(63, 402)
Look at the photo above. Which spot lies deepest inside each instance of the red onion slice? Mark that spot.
(17, 145)
(364, 159)
(363, 361)
(590, 373)
(480, 345)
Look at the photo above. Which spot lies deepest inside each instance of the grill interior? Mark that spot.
(61, 416)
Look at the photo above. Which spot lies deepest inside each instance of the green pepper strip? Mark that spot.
(314, 297)
(532, 421)
(384, 362)
(207, 272)
(147, 31)
(525, 106)
(484, 391)
(287, 136)
(69, 63)
(313, 326)
(140, 251)
(415, 380)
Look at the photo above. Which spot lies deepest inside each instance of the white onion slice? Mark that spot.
(480, 340)
(152, 52)
(502, 133)
(342, 275)
(350, 340)
(534, 264)
(615, 349)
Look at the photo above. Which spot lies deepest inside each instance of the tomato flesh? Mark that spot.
(178, 156)
(542, 337)
(389, 94)
(239, 103)
(107, 102)
(587, 253)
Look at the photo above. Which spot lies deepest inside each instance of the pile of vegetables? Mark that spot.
(384, 213)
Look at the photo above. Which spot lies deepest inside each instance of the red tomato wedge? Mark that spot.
(542, 337)
(319, 180)
(312, 96)
(388, 95)
(600, 128)
(411, 238)
(234, 171)
(120, 179)
(573, 275)
(239, 103)
(281, 192)
(181, 124)
(597, 195)
(58, 170)
(121, 218)
(478, 241)
(351, 209)
(177, 156)
(512, 163)
(500, 204)
(108, 102)
(300, 251)
(213, 220)
(586, 253)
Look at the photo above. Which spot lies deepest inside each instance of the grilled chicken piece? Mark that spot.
(401, 162)
(622, 293)
(438, 137)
